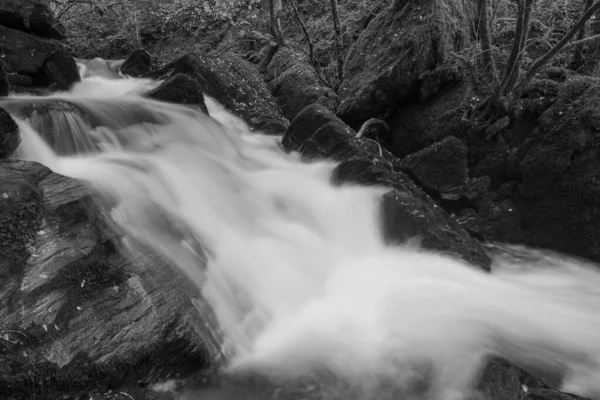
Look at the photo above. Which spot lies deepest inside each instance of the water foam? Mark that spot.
(296, 270)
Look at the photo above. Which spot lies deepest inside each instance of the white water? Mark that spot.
(296, 269)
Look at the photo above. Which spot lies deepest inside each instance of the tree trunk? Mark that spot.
(275, 14)
(339, 46)
(577, 61)
(487, 57)
(519, 42)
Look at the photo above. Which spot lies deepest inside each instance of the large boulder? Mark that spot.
(294, 83)
(438, 110)
(46, 61)
(234, 83)
(78, 310)
(384, 67)
(407, 212)
(32, 16)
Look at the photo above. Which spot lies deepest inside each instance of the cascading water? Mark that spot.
(295, 269)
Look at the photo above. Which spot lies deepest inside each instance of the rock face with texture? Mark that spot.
(75, 312)
(407, 211)
(138, 63)
(295, 84)
(46, 61)
(441, 167)
(233, 82)
(32, 16)
(10, 137)
(384, 67)
(559, 169)
(182, 89)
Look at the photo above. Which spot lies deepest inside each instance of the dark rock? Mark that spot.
(15, 79)
(329, 102)
(233, 82)
(46, 61)
(77, 310)
(294, 82)
(32, 16)
(377, 130)
(138, 63)
(4, 81)
(559, 173)
(441, 166)
(384, 67)
(501, 381)
(307, 122)
(182, 89)
(10, 137)
(423, 124)
(501, 222)
(407, 211)
(62, 69)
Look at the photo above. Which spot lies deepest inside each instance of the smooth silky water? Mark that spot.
(295, 270)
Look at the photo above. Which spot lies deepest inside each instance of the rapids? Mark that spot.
(296, 270)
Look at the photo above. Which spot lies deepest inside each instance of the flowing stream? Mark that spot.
(295, 269)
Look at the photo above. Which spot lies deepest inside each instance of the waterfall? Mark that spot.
(295, 269)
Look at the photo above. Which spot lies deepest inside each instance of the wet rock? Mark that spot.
(32, 16)
(61, 69)
(407, 212)
(79, 310)
(233, 82)
(4, 82)
(181, 89)
(501, 381)
(138, 63)
(46, 61)
(10, 137)
(384, 67)
(441, 167)
(294, 83)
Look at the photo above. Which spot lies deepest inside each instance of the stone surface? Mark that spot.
(426, 122)
(559, 170)
(441, 167)
(233, 82)
(10, 137)
(294, 83)
(181, 89)
(46, 61)
(78, 309)
(384, 67)
(4, 81)
(32, 16)
(138, 63)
